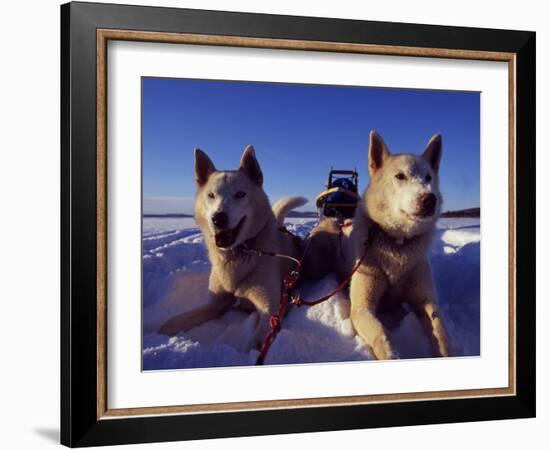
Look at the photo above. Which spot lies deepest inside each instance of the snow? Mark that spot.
(175, 279)
(456, 238)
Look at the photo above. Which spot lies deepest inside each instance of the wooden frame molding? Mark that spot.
(103, 36)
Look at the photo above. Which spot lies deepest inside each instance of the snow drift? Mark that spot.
(175, 278)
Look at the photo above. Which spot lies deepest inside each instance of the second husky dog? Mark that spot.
(234, 215)
(392, 229)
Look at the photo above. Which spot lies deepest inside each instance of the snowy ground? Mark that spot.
(175, 278)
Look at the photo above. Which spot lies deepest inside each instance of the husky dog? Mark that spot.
(392, 230)
(235, 216)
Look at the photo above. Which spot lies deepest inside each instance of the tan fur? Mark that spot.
(237, 273)
(326, 250)
(395, 268)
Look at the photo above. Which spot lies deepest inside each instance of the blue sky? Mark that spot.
(298, 132)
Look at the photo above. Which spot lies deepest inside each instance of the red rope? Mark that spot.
(289, 282)
(344, 225)
(275, 321)
(299, 301)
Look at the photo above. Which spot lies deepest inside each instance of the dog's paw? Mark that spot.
(181, 322)
(382, 348)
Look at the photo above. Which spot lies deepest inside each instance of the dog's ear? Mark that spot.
(204, 167)
(378, 152)
(250, 165)
(433, 151)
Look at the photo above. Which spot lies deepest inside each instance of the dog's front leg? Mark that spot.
(431, 320)
(266, 299)
(366, 290)
(423, 299)
(219, 301)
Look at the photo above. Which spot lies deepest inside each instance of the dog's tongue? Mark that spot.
(224, 238)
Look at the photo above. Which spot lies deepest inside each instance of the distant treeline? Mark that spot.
(175, 216)
(313, 214)
(167, 216)
(471, 212)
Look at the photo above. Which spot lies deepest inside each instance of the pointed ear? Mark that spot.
(204, 167)
(378, 152)
(433, 151)
(250, 165)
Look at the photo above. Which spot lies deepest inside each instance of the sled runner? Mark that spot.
(340, 198)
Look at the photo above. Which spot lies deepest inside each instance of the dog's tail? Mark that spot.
(282, 207)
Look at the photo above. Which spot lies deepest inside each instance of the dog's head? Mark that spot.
(230, 205)
(403, 195)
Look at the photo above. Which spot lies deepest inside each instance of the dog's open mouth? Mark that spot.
(226, 238)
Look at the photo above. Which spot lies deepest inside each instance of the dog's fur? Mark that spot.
(248, 220)
(395, 268)
(327, 250)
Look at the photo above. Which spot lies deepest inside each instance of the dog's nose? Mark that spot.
(427, 202)
(220, 220)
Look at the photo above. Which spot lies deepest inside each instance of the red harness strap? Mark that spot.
(276, 319)
(299, 301)
(289, 282)
(344, 225)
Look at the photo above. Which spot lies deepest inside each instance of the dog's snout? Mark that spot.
(426, 204)
(220, 220)
(428, 201)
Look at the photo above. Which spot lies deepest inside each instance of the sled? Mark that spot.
(340, 198)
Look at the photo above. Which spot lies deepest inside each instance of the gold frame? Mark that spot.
(103, 36)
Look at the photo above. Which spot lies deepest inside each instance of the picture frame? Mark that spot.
(86, 418)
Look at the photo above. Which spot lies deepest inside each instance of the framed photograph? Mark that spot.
(276, 224)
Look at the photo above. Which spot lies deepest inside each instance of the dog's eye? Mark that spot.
(211, 195)
(401, 176)
(240, 194)
(428, 178)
